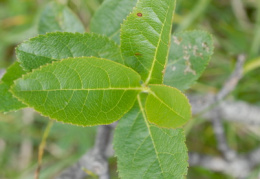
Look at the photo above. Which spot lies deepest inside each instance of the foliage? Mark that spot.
(189, 55)
(222, 29)
(7, 101)
(94, 91)
(135, 138)
(111, 12)
(83, 91)
(91, 90)
(58, 17)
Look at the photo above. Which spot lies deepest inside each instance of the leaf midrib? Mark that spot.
(151, 92)
(149, 130)
(89, 89)
(156, 51)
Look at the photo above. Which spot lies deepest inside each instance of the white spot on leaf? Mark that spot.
(205, 46)
(176, 40)
(188, 68)
(186, 57)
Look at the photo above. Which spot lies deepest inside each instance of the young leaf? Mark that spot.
(147, 151)
(145, 38)
(190, 53)
(84, 91)
(167, 107)
(110, 16)
(7, 101)
(58, 17)
(56, 46)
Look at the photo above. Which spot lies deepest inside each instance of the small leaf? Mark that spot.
(58, 17)
(145, 38)
(7, 101)
(167, 107)
(189, 55)
(84, 91)
(110, 16)
(146, 151)
(14, 72)
(56, 46)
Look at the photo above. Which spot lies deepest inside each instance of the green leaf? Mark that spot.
(59, 45)
(7, 101)
(189, 55)
(58, 17)
(167, 107)
(14, 72)
(145, 38)
(84, 91)
(110, 16)
(146, 151)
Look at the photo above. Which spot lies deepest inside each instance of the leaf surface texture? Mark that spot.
(7, 101)
(110, 16)
(167, 107)
(83, 91)
(58, 17)
(146, 151)
(145, 38)
(190, 53)
(55, 46)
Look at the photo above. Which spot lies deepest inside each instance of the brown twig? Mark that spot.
(216, 120)
(233, 80)
(216, 112)
(233, 111)
(219, 131)
(239, 167)
(95, 160)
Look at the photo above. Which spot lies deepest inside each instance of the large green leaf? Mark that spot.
(59, 45)
(167, 107)
(109, 17)
(58, 17)
(145, 151)
(83, 91)
(189, 55)
(145, 38)
(7, 101)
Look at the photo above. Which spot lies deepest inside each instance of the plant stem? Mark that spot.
(41, 148)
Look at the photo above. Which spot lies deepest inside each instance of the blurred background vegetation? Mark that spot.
(235, 26)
